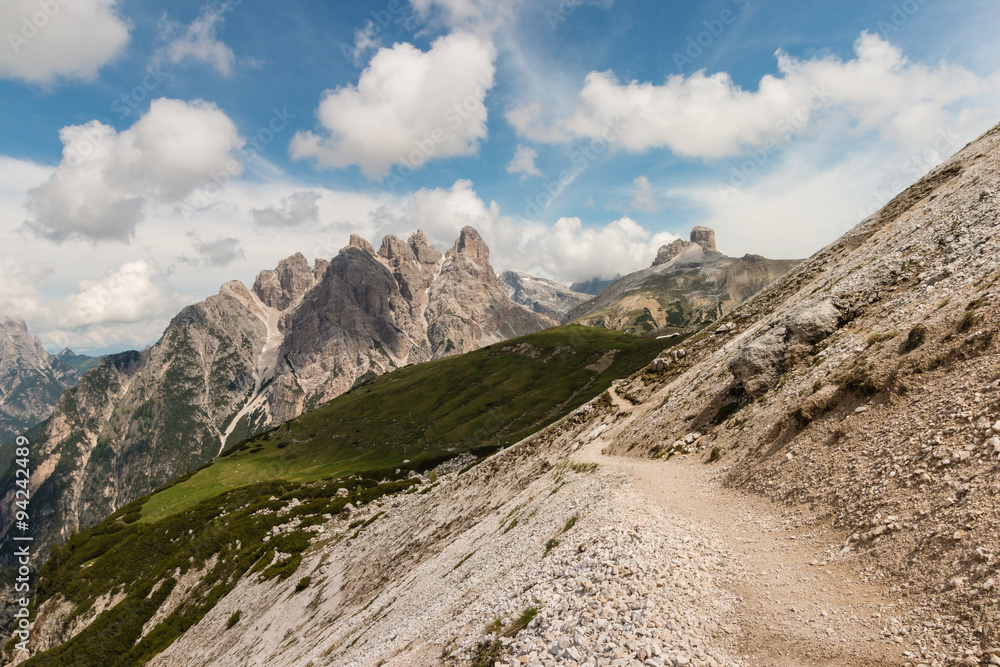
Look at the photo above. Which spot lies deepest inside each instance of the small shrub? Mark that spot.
(234, 619)
(526, 617)
(969, 320)
(549, 546)
(303, 584)
(487, 654)
(715, 455)
(916, 338)
(569, 524)
(860, 380)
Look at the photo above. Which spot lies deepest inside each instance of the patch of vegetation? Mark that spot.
(569, 524)
(234, 619)
(916, 338)
(487, 654)
(426, 413)
(880, 337)
(715, 455)
(303, 584)
(969, 319)
(860, 380)
(522, 621)
(550, 545)
(510, 526)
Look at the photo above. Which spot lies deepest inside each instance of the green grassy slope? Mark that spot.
(488, 398)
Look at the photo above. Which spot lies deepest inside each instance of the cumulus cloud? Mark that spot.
(218, 252)
(71, 40)
(296, 209)
(644, 198)
(408, 107)
(709, 116)
(523, 163)
(101, 311)
(566, 251)
(105, 178)
(199, 42)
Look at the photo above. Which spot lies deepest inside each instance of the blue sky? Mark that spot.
(150, 151)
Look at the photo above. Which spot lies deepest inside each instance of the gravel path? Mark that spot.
(802, 600)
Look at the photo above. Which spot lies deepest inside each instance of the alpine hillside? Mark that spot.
(229, 366)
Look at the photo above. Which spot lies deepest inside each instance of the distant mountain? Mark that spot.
(546, 297)
(31, 379)
(594, 286)
(229, 366)
(690, 282)
(81, 363)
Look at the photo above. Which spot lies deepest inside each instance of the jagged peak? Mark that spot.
(424, 251)
(361, 244)
(704, 236)
(471, 244)
(394, 247)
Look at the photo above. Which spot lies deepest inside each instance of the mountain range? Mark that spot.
(235, 363)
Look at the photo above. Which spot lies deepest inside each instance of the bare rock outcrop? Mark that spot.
(690, 282)
(31, 379)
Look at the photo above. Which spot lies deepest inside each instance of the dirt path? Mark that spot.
(796, 609)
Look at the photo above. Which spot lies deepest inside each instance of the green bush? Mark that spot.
(303, 584)
(234, 619)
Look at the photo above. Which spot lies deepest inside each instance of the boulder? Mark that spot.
(813, 323)
(758, 365)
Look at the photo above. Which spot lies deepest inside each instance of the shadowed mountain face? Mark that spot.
(242, 359)
(690, 282)
(31, 379)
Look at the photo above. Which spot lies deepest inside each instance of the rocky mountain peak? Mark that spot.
(360, 243)
(286, 284)
(471, 245)
(671, 250)
(422, 248)
(700, 236)
(394, 248)
(704, 236)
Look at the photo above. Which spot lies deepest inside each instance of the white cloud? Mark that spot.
(129, 300)
(46, 41)
(199, 42)
(644, 197)
(409, 107)
(296, 209)
(523, 163)
(567, 251)
(221, 251)
(132, 293)
(105, 179)
(709, 116)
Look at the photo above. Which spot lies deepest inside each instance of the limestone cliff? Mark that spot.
(690, 282)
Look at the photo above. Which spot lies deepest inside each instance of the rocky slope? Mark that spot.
(242, 359)
(546, 297)
(689, 283)
(31, 379)
(594, 286)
